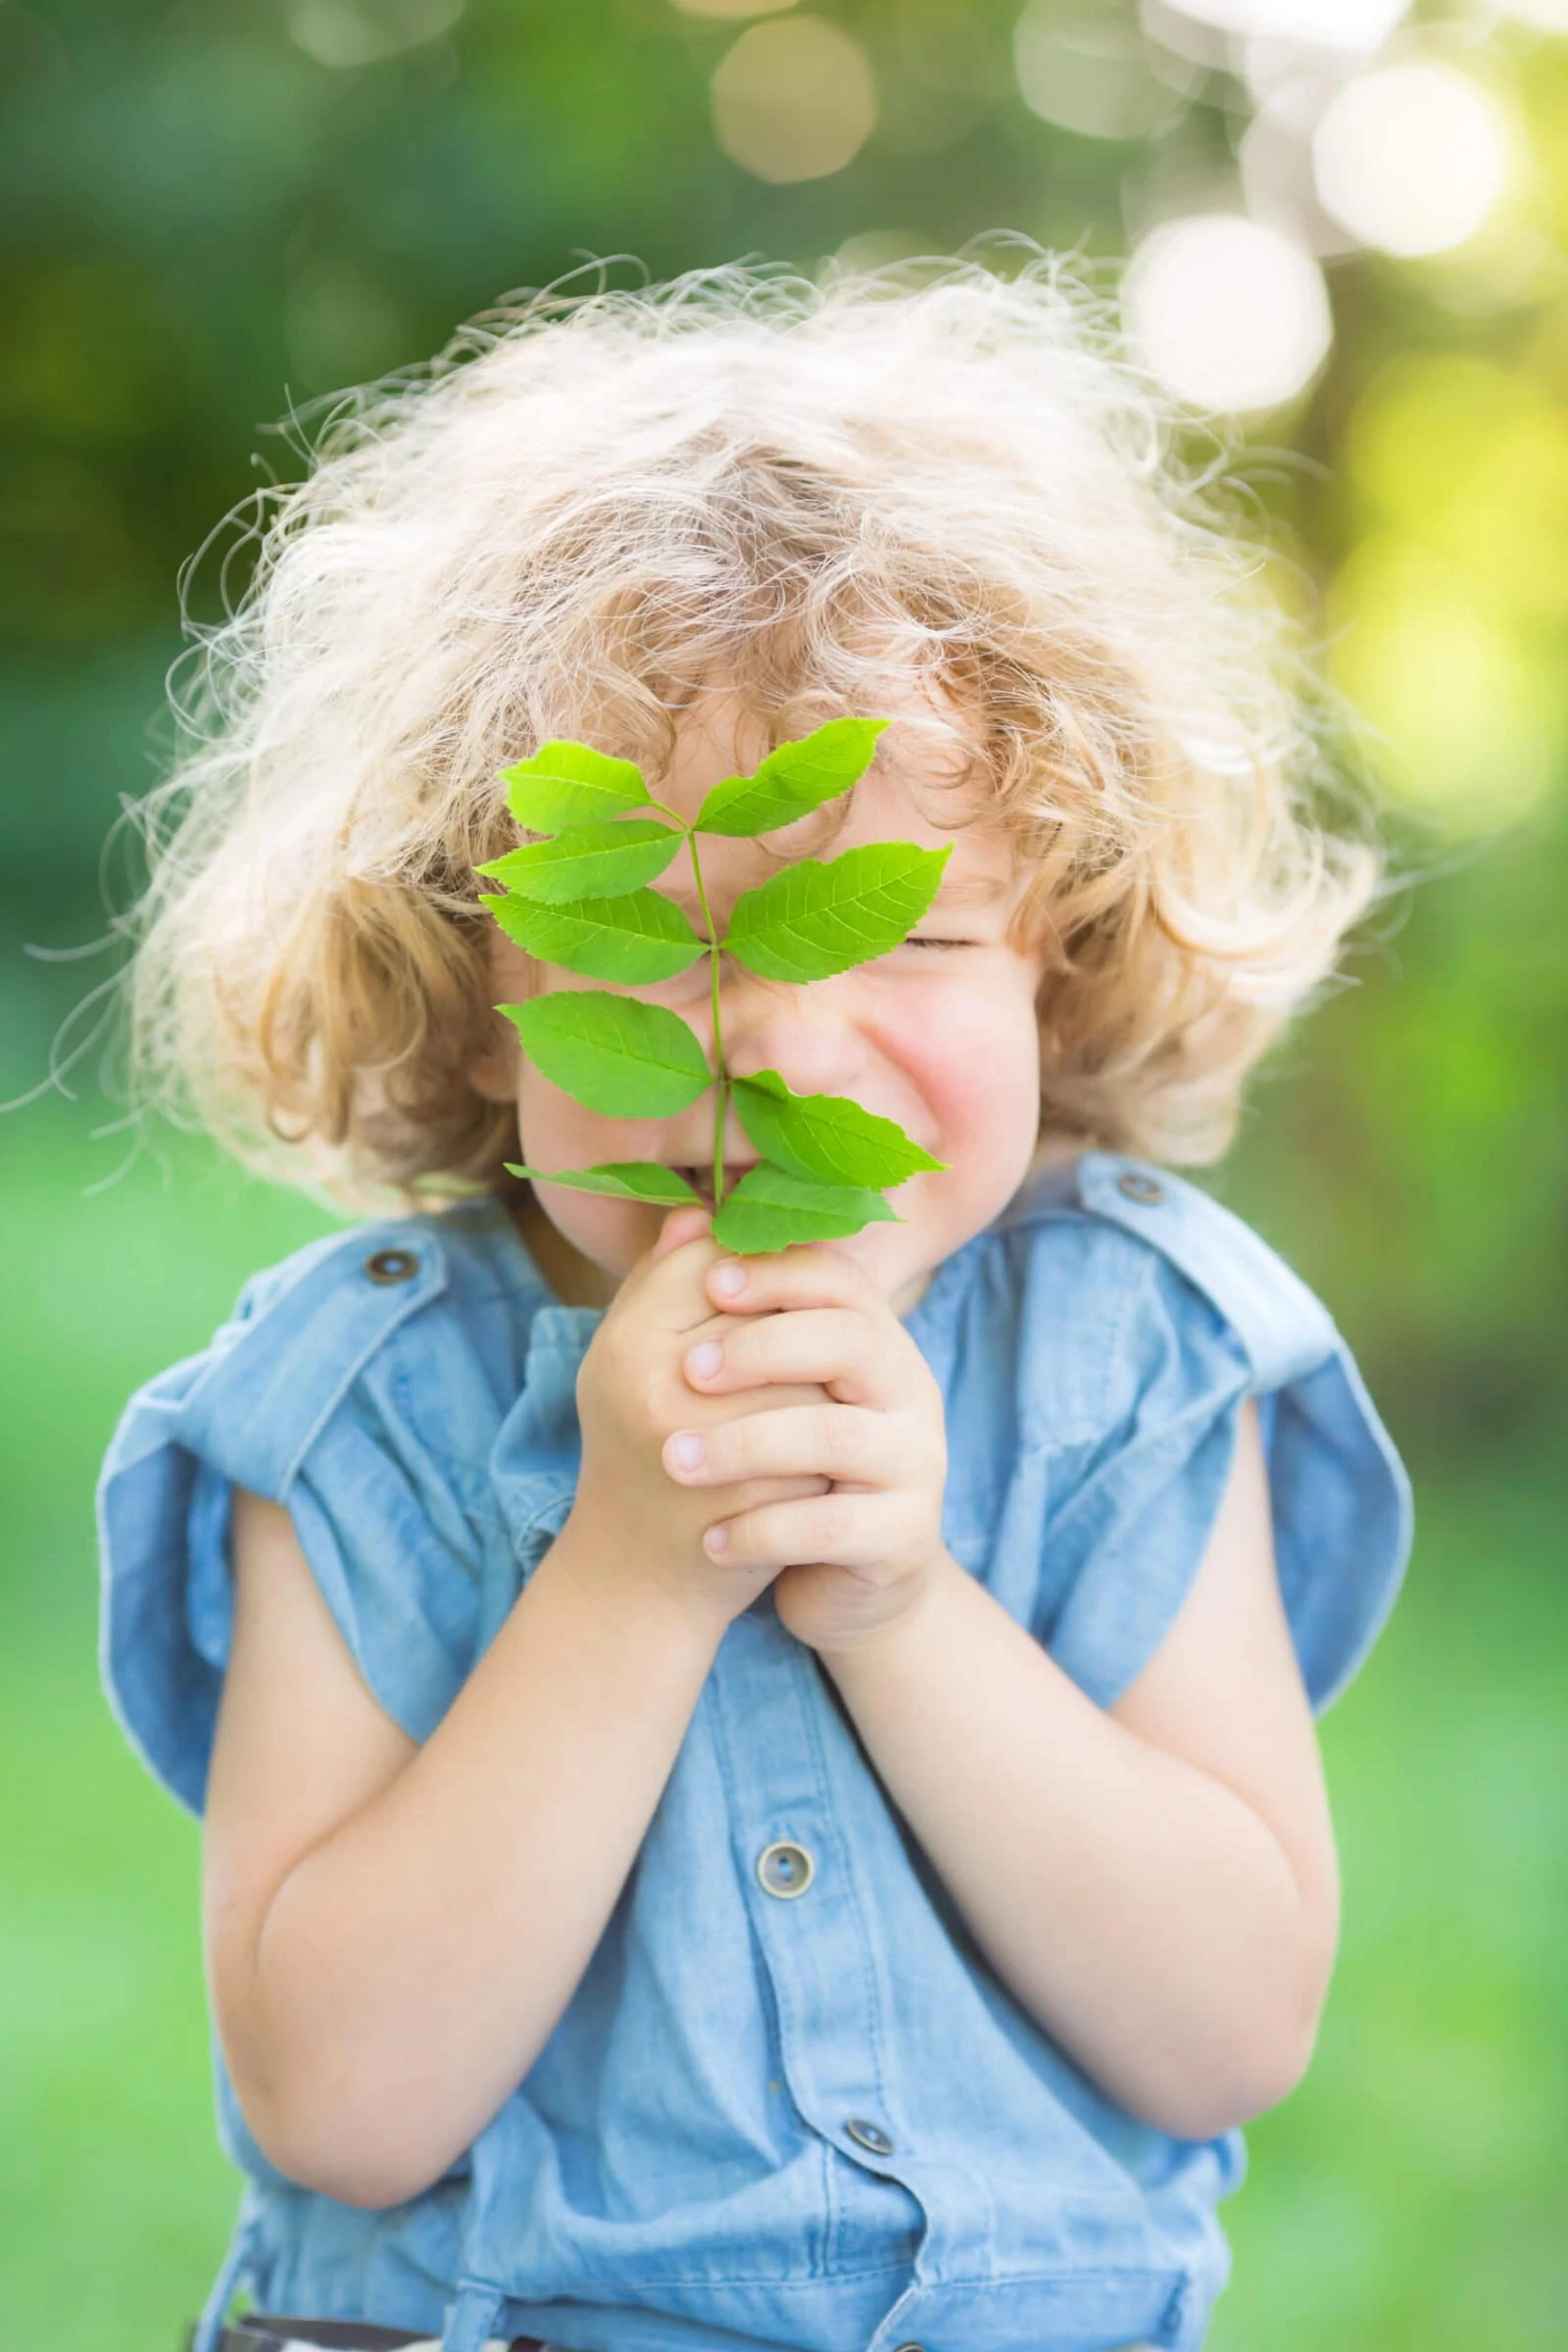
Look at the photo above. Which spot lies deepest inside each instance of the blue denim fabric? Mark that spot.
(680, 2169)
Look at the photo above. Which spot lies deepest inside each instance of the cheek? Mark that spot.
(974, 1054)
(555, 1132)
(612, 1234)
(550, 1124)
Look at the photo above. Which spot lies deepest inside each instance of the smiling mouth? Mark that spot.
(701, 1179)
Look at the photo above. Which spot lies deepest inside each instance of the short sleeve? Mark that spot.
(305, 1397)
(1208, 1317)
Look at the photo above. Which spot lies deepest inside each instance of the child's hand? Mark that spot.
(848, 1562)
(628, 1522)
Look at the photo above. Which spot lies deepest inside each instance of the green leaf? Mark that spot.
(613, 1054)
(768, 1209)
(825, 1137)
(589, 861)
(641, 936)
(569, 784)
(813, 919)
(793, 780)
(623, 1179)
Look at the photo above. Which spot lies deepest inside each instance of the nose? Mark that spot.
(804, 1029)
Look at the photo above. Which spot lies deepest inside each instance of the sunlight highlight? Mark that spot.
(1229, 314)
(1412, 159)
(794, 100)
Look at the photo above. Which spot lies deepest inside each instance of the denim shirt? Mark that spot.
(789, 2107)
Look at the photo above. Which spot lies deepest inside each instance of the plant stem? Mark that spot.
(720, 1074)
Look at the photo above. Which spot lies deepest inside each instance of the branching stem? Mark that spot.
(720, 1073)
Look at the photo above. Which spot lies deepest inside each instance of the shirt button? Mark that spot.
(868, 2136)
(909, 2348)
(785, 1870)
(392, 1265)
(1139, 1187)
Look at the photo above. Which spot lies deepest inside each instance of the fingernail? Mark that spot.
(705, 1358)
(729, 1278)
(716, 1540)
(687, 1450)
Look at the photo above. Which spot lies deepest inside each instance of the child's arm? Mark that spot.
(392, 1931)
(1155, 1884)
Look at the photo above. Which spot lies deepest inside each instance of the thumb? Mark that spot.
(682, 1225)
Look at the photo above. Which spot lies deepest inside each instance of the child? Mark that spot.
(769, 1804)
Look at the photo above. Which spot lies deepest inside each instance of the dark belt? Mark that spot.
(267, 2331)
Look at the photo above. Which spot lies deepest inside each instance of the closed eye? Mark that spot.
(920, 941)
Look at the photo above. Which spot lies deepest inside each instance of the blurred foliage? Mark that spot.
(217, 212)
(210, 224)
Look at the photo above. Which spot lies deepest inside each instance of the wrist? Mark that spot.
(665, 1616)
(877, 1648)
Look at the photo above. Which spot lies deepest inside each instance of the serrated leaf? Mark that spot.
(639, 937)
(613, 1054)
(769, 1208)
(793, 780)
(623, 1179)
(815, 919)
(825, 1137)
(589, 861)
(571, 784)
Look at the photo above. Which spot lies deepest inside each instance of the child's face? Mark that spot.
(939, 1034)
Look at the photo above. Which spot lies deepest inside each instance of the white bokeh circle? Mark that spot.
(1229, 314)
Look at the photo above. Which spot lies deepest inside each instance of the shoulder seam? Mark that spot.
(1285, 1329)
(349, 1313)
(400, 1300)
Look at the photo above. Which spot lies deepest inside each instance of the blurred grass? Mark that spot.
(116, 2202)
(1405, 2199)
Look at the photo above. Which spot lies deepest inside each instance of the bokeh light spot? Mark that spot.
(1275, 155)
(1412, 158)
(1229, 314)
(1419, 424)
(732, 9)
(1356, 25)
(794, 100)
(1086, 66)
(360, 32)
(875, 249)
(1469, 724)
(1469, 461)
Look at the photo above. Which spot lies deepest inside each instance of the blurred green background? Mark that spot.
(1350, 224)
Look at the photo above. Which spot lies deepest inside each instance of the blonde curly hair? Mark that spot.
(589, 502)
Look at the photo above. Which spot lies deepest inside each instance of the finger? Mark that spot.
(667, 1284)
(843, 1530)
(763, 1490)
(803, 1275)
(682, 1225)
(839, 1346)
(825, 1441)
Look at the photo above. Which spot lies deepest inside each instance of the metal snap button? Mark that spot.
(868, 2136)
(1139, 1187)
(392, 1265)
(785, 1870)
(909, 2348)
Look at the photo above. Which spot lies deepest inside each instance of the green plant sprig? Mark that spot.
(579, 895)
